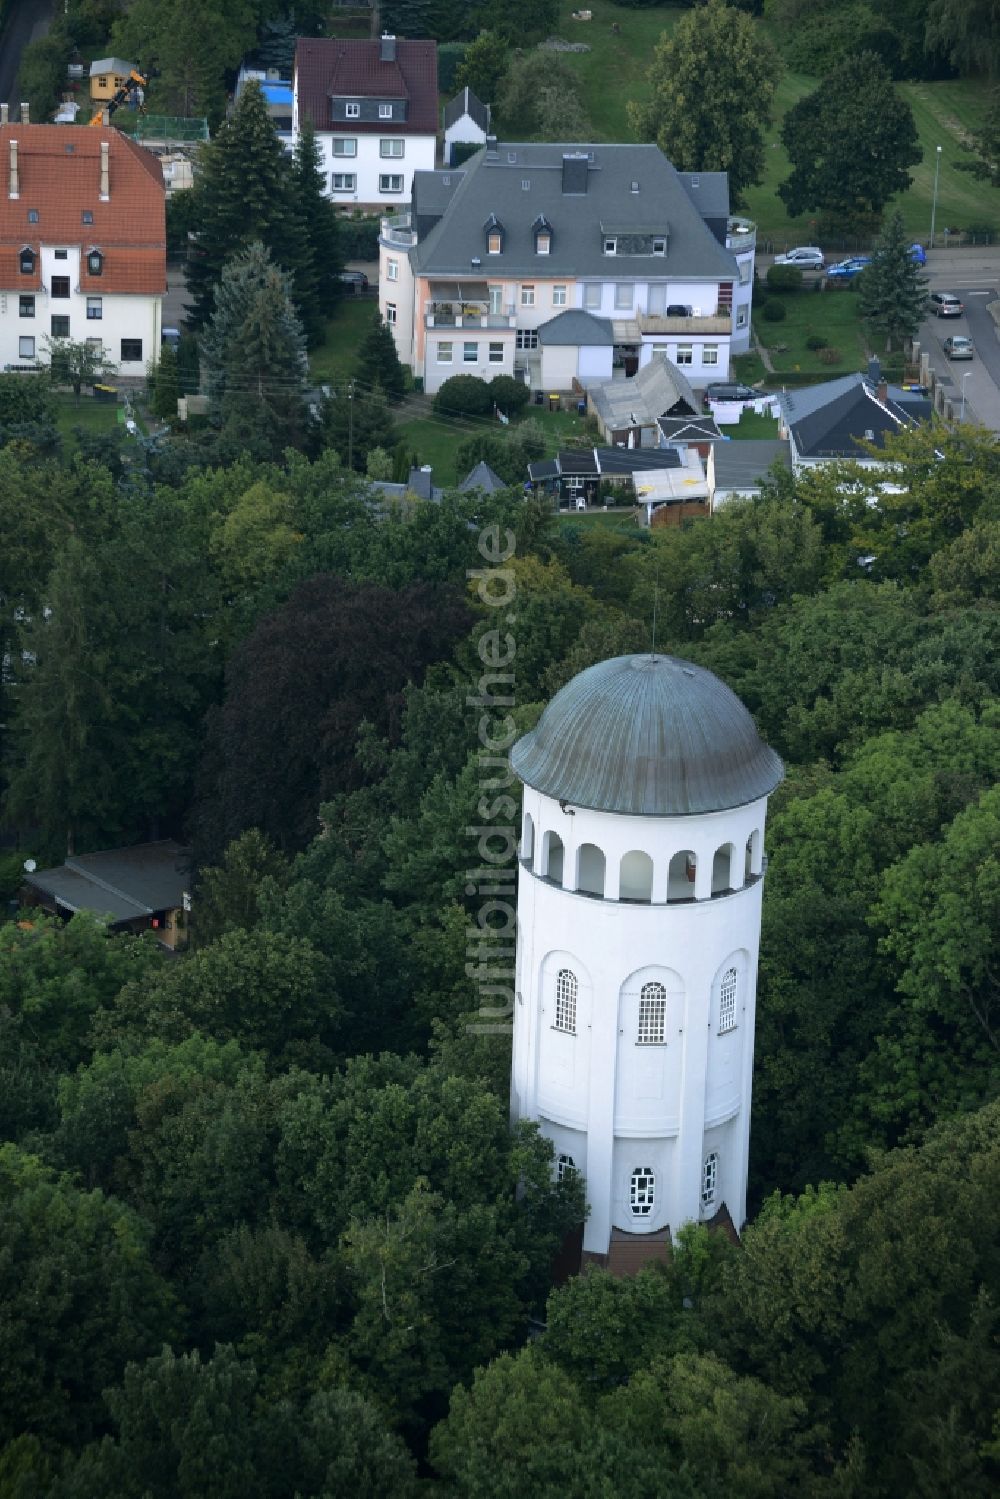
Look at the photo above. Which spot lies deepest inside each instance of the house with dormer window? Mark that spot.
(374, 107)
(478, 276)
(82, 244)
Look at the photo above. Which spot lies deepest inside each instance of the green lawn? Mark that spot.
(833, 315)
(753, 427)
(334, 359)
(93, 416)
(614, 71)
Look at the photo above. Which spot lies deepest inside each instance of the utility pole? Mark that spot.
(350, 425)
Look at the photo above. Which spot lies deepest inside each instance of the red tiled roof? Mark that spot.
(353, 69)
(62, 183)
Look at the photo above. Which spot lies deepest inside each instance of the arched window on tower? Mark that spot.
(722, 870)
(683, 871)
(727, 1000)
(552, 858)
(590, 869)
(642, 1188)
(565, 1167)
(652, 1015)
(527, 839)
(636, 877)
(709, 1179)
(753, 854)
(566, 992)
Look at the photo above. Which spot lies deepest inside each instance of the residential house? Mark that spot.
(482, 477)
(82, 244)
(574, 477)
(827, 423)
(699, 432)
(736, 469)
(676, 492)
(374, 106)
(276, 86)
(627, 411)
(492, 252)
(466, 123)
(107, 76)
(139, 889)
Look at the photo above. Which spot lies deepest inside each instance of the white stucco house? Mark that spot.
(641, 868)
(82, 244)
(374, 107)
(475, 277)
(466, 122)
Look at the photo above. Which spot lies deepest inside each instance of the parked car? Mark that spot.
(945, 304)
(356, 280)
(806, 257)
(958, 347)
(723, 390)
(918, 254)
(845, 269)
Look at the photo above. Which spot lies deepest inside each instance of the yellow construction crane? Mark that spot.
(138, 79)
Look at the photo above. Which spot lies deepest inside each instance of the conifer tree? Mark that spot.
(167, 387)
(245, 192)
(893, 291)
(378, 362)
(254, 355)
(354, 422)
(319, 219)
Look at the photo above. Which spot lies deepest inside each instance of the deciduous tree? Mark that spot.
(712, 83)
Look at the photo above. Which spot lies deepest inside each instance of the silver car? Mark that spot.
(958, 347)
(806, 257)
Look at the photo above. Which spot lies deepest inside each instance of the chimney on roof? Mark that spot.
(105, 192)
(4, 113)
(491, 145)
(105, 117)
(874, 370)
(882, 390)
(24, 113)
(387, 48)
(575, 167)
(14, 190)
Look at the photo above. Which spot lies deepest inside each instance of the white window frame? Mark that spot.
(593, 295)
(391, 269)
(496, 301)
(343, 182)
(386, 180)
(659, 245)
(685, 354)
(445, 352)
(528, 295)
(393, 148)
(352, 111)
(468, 358)
(385, 111)
(624, 296)
(652, 1027)
(543, 243)
(22, 352)
(95, 309)
(741, 317)
(344, 145)
(728, 990)
(710, 354)
(610, 245)
(709, 1179)
(567, 991)
(565, 1167)
(495, 353)
(559, 296)
(494, 243)
(526, 338)
(642, 1191)
(390, 314)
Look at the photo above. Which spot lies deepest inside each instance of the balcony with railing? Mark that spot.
(741, 234)
(657, 323)
(397, 231)
(467, 315)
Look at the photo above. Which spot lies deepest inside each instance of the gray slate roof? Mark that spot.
(484, 478)
(708, 191)
(466, 103)
(653, 392)
(691, 429)
(651, 736)
(576, 328)
(123, 883)
(741, 465)
(492, 184)
(825, 419)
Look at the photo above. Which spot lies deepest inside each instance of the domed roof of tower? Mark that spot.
(648, 735)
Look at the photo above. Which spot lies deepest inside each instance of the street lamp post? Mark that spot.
(937, 173)
(964, 378)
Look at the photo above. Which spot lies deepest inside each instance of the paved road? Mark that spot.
(29, 20)
(973, 276)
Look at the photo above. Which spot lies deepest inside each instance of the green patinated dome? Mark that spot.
(648, 735)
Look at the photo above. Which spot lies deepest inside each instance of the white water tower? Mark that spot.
(639, 905)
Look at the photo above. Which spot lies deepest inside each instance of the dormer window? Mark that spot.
(494, 235)
(385, 111)
(95, 262)
(27, 261)
(542, 231)
(352, 111)
(610, 246)
(659, 245)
